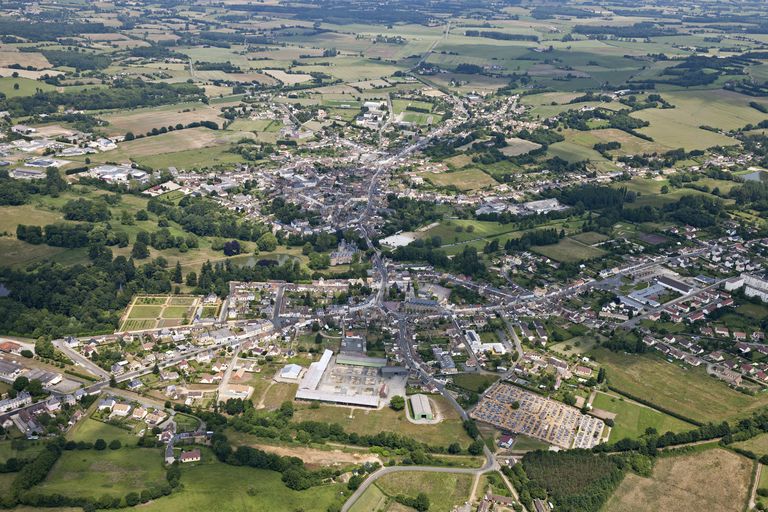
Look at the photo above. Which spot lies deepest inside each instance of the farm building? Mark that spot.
(422, 409)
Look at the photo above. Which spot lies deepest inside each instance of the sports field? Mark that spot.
(158, 311)
(687, 391)
(713, 479)
(632, 419)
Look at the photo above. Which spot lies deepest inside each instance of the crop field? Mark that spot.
(568, 251)
(36, 60)
(469, 179)
(170, 313)
(689, 392)
(632, 419)
(245, 488)
(387, 420)
(181, 140)
(93, 473)
(714, 479)
(288, 78)
(143, 120)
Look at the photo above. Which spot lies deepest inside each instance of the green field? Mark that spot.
(569, 251)
(93, 473)
(89, 430)
(29, 451)
(758, 445)
(445, 491)
(687, 391)
(246, 490)
(474, 381)
(387, 420)
(145, 312)
(469, 179)
(679, 127)
(632, 419)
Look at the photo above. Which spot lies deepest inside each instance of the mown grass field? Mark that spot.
(474, 381)
(713, 479)
(93, 473)
(690, 391)
(469, 179)
(387, 420)
(140, 121)
(89, 430)
(632, 419)
(569, 251)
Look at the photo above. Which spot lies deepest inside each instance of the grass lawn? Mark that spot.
(93, 473)
(690, 392)
(469, 179)
(90, 430)
(477, 382)
(26, 86)
(569, 251)
(632, 418)
(216, 486)
(387, 420)
(445, 490)
(714, 479)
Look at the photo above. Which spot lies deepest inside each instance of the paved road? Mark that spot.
(81, 360)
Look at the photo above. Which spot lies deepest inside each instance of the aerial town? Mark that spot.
(342, 256)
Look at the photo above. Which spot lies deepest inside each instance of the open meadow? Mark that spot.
(686, 391)
(246, 490)
(93, 473)
(445, 491)
(632, 419)
(713, 479)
